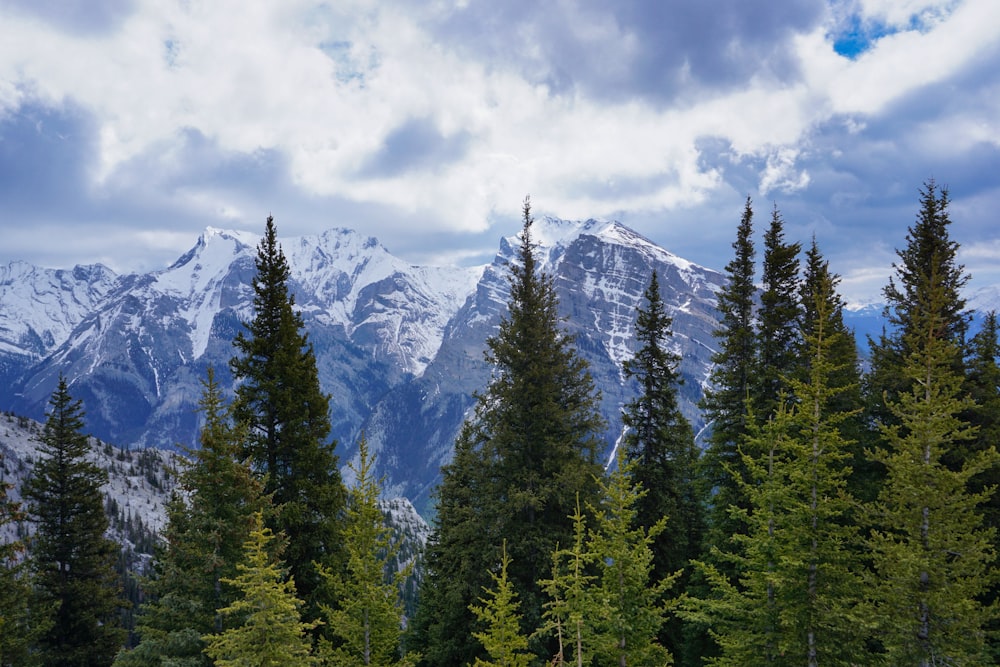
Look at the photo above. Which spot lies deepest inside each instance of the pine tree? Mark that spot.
(932, 559)
(982, 382)
(573, 608)
(929, 261)
(279, 398)
(367, 627)
(725, 401)
(660, 443)
(632, 606)
(18, 627)
(799, 592)
(777, 334)
(498, 612)
(268, 630)
(73, 562)
(530, 445)
(207, 526)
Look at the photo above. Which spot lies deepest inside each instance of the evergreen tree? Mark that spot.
(928, 262)
(498, 612)
(725, 401)
(660, 444)
(367, 627)
(778, 333)
(632, 609)
(982, 382)
(279, 398)
(799, 593)
(207, 526)
(932, 559)
(73, 561)
(268, 630)
(529, 447)
(573, 608)
(18, 628)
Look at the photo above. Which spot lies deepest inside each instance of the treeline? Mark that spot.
(837, 516)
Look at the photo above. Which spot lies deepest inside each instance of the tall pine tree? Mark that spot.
(279, 398)
(725, 401)
(932, 558)
(660, 443)
(207, 526)
(778, 332)
(72, 559)
(529, 448)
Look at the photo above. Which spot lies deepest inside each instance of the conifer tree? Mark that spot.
(529, 448)
(268, 630)
(929, 261)
(632, 608)
(279, 398)
(498, 612)
(982, 382)
(660, 444)
(798, 596)
(778, 332)
(367, 626)
(207, 527)
(725, 401)
(932, 558)
(73, 562)
(572, 609)
(18, 628)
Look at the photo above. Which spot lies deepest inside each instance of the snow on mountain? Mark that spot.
(42, 306)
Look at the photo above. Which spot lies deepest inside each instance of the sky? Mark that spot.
(127, 127)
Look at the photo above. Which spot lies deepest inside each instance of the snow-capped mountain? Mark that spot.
(399, 347)
(41, 307)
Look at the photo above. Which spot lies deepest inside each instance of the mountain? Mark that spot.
(399, 347)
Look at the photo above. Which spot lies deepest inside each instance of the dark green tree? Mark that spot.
(777, 332)
(725, 401)
(982, 382)
(267, 628)
(933, 560)
(660, 443)
(529, 448)
(928, 262)
(279, 398)
(73, 562)
(19, 625)
(207, 526)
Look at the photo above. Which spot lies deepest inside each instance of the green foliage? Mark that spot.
(280, 400)
(207, 527)
(932, 559)
(268, 630)
(797, 598)
(530, 447)
(498, 612)
(725, 401)
(632, 608)
(18, 627)
(573, 608)
(660, 444)
(366, 627)
(72, 561)
(777, 334)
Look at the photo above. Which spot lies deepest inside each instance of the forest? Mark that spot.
(842, 510)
